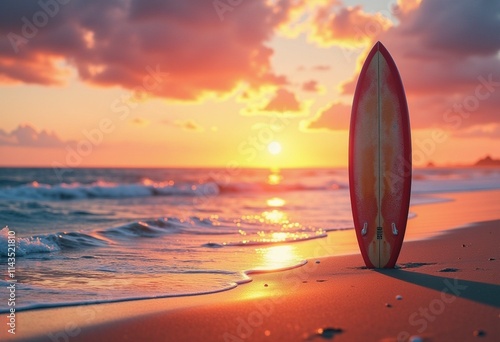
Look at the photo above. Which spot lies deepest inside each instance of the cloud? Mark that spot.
(140, 122)
(465, 29)
(336, 24)
(334, 117)
(27, 135)
(173, 49)
(311, 86)
(321, 68)
(283, 101)
(447, 53)
(188, 125)
(480, 131)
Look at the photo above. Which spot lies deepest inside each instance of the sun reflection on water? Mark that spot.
(279, 257)
(279, 236)
(275, 216)
(274, 224)
(275, 202)
(274, 179)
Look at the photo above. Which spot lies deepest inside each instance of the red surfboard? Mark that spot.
(380, 160)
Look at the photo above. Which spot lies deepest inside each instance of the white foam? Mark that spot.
(27, 245)
(65, 191)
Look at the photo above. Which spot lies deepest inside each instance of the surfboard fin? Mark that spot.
(365, 229)
(394, 229)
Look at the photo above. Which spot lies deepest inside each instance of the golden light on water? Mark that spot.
(278, 227)
(279, 236)
(275, 202)
(274, 179)
(275, 216)
(273, 258)
(279, 256)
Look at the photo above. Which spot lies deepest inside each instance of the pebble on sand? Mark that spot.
(399, 297)
(328, 332)
(479, 333)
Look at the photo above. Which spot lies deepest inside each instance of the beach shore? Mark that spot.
(446, 289)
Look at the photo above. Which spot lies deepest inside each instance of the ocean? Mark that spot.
(95, 235)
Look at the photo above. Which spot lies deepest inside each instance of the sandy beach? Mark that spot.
(446, 288)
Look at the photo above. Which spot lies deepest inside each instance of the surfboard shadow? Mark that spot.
(484, 293)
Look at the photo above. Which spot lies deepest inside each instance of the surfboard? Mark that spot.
(380, 160)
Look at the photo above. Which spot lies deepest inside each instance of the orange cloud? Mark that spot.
(481, 131)
(188, 125)
(171, 49)
(406, 6)
(322, 67)
(140, 121)
(311, 86)
(335, 24)
(448, 59)
(333, 117)
(283, 101)
(449, 62)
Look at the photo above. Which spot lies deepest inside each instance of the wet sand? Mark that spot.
(446, 289)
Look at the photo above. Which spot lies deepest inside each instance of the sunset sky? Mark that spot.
(212, 83)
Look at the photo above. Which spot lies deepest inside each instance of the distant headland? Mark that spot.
(487, 161)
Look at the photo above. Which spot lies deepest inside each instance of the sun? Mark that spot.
(274, 147)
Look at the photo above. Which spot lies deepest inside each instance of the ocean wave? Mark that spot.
(282, 187)
(147, 188)
(143, 229)
(227, 233)
(48, 243)
(55, 242)
(74, 191)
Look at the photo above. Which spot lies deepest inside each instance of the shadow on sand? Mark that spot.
(483, 293)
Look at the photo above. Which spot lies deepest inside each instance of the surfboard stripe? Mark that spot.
(379, 160)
